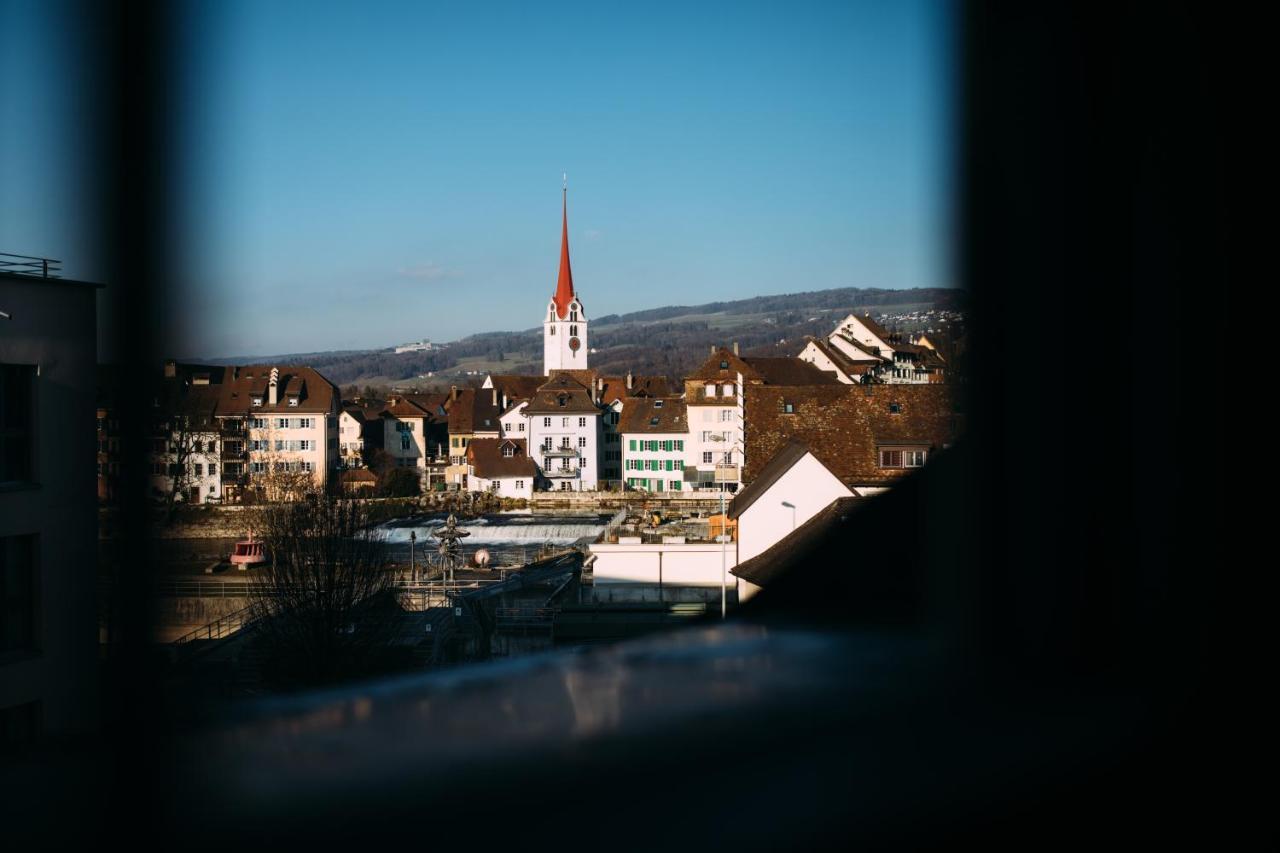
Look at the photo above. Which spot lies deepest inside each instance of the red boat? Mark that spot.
(248, 553)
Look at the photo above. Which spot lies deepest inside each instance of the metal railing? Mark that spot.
(219, 628)
(30, 265)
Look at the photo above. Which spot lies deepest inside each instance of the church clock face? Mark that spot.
(574, 343)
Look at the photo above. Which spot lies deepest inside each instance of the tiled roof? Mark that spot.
(516, 386)
(240, 384)
(799, 545)
(872, 355)
(640, 413)
(485, 456)
(844, 425)
(842, 362)
(783, 459)
(473, 411)
(357, 475)
(562, 394)
(789, 371)
(711, 369)
(615, 387)
(400, 407)
(873, 327)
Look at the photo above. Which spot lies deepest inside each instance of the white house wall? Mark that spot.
(808, 485)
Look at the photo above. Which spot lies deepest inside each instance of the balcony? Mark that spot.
(561, 473)
(561, 452)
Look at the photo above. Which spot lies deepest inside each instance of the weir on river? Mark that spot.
(511, 538)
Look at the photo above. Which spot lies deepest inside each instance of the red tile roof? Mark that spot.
(640, 413)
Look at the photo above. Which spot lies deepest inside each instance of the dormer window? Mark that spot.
(653, 421)
(657, 404)
(724, 365)
(508, 451)
(257, 401)
(789, 408)
(293, 401)
(563, 400)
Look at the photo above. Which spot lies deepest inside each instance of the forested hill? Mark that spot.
(671, 340)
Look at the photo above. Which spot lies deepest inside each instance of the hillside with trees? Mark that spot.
(671, 340)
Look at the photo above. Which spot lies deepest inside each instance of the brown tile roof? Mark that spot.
(845, 425)
(786, 456)
(872, 355)
(516, 386)
(586, 378)
(846, 365)
(474, 411)
(639, 414)
(790, 371)
(485, 456)
(798, 546)
(357, 475)
(711, 369)
(400, 407)
(240, 384)
(562, 394)
(615, 387)
(874, 327)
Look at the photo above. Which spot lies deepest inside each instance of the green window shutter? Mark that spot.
(675, 485)
(680, 444)
(633, 444)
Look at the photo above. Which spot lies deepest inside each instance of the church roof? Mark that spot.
(564, 283)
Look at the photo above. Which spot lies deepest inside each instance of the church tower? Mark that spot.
(564, 332)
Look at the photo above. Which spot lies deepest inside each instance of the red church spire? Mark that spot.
(564, 284)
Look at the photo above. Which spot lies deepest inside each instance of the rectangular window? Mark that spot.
(213, 469)
(257, 423)
(890, 458)
(546, 422)
(582, 422)
(199, 470)
(521, 427)
(582, 441)
(282, 423)
(706, 457)
(17, 410)
(279, 444)
(519, 484)
(19, 596)
(674, 485)
(405, 441)
(680, 444)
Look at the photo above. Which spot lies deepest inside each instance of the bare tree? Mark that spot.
(318, 602)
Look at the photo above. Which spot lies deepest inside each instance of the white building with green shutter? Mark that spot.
(654, 432)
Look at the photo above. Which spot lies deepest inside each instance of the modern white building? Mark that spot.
(792, 488)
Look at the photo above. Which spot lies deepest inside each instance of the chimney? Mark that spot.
(272, 389)
(713, 349)
(735, 347)
(630, 380)
(453, 393)
(170, 368)
(495, 396)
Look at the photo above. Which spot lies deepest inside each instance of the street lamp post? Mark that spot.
(413, 569)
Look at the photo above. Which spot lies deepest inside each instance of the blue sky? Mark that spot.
(357, 175)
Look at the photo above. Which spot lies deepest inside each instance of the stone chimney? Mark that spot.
(273, 391)
(453, 393)
(735, 347)
(630, 380)
(495, 396)
(713, 349)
